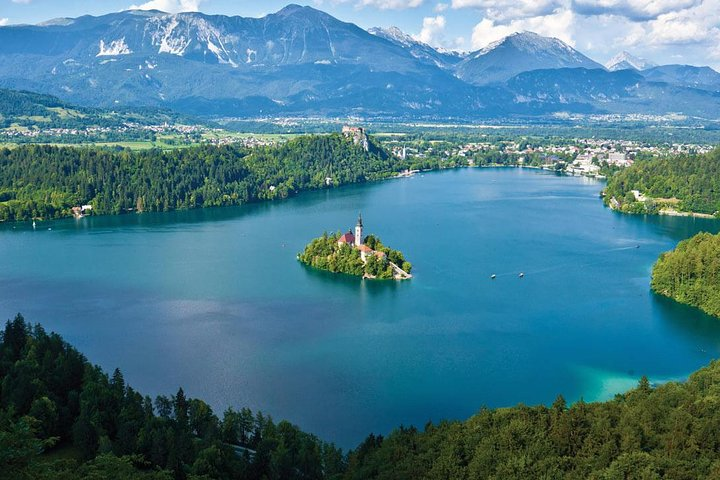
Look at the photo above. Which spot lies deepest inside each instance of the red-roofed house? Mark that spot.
(348, 239)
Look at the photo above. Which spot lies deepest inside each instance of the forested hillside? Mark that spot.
(39, 181)
(52, 397)
(20, 108)
(694, 180)
(672, 431)
(690, 274)
(62, 418)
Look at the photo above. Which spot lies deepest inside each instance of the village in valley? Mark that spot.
(585, 156)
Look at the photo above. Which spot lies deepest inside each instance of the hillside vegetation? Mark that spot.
(692, 180)
(690, 274)
(46, 182)
(19, 108)
(50, 395)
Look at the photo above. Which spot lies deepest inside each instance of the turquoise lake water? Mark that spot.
(214, 300)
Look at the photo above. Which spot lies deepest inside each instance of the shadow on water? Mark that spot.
(349, 283)
(679, 228)
(689, 322)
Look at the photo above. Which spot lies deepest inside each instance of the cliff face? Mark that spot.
(358, 135)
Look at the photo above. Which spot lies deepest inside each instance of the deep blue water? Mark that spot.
(214, 300)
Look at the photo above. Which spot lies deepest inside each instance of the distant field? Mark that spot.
(139, 145)
(260, 136)
(167, 141)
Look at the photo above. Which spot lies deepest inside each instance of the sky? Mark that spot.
(662, 31)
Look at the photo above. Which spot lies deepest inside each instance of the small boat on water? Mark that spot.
(521, 275)
(492, 277)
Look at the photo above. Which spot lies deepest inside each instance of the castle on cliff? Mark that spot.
(358, 135)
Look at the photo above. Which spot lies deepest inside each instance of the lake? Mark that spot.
(215, 301)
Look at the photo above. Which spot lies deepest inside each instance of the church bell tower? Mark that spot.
(359, 232)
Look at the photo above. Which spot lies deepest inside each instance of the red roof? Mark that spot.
(347, 238)
(365, 248)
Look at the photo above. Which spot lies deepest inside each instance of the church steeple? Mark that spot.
(359, 231)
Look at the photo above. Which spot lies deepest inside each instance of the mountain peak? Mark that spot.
(520, 52)
(625, 60)
(527, 41)
(295, 9)
(428, 54)
(394, 34)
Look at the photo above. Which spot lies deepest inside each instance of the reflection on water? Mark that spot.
(352, 284)
(695, 326)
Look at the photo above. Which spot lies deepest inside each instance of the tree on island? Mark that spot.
(343, 253)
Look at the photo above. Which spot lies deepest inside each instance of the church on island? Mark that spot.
(355, 254)
(356, 240)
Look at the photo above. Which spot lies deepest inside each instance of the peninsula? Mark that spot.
(690, 274)
(351, 254)
(682, 185)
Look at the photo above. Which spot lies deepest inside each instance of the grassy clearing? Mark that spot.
(66, 112)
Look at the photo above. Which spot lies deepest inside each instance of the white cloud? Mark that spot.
(379, 4)
(432, 30)
(170, 6)
(505, 10)
(4, 21)
(24, 2)
(637, 10)
(558, 24)
(390, 4)
(440, 7)
(697, 25)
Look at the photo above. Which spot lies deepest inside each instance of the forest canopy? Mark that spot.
(691, 180)
(690, 274)
(52, 400)
(40, 181)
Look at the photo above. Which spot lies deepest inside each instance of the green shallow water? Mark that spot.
(214, 300)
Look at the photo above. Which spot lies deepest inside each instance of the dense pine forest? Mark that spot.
(38, 181)
(694, 180)
(690, 274)
(63, 418)
(94, 426)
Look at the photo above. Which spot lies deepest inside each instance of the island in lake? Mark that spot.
(349, 253)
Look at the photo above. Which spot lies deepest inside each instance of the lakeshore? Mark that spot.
(139, 289)
(664, 209)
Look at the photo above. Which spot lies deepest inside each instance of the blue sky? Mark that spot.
(663, 31)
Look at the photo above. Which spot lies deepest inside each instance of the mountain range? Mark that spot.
(302, 61)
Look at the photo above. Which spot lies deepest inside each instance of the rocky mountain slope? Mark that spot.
(302, 61)
(625, 60)
(517, 53)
